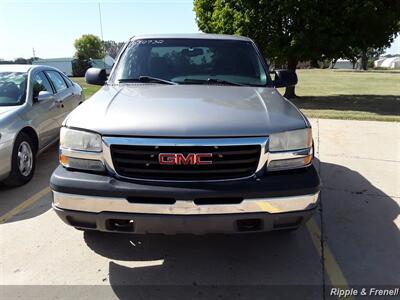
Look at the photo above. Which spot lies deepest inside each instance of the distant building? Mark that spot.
(103, 63)
(342, 64)
(388, 62)
(65, 64)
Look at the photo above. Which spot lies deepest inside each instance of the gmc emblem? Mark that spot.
(181, 159)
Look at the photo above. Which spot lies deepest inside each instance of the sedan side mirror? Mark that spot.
(96, 76)
(285, 78)
(44, 95)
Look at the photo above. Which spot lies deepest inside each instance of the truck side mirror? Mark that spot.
(285, 78)
(96, 76)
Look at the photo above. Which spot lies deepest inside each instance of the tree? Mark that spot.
(21, 61)
(290, 31)
(88, 46)
(371, 25)
(112, 48)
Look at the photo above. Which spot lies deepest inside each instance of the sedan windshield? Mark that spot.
(192, 61)
(12, 88)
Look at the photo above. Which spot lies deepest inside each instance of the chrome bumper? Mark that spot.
(95, 204)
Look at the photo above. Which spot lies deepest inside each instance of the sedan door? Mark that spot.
(76, 92)
(44, 113)
(65, 97)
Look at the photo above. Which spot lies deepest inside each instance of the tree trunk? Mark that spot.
(290, 91)
(364, 60)
(333, 63)
(314, 64)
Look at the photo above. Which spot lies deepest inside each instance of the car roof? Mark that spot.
(191, 36)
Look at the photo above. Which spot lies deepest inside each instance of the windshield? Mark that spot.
(192, 61)
(12, 88)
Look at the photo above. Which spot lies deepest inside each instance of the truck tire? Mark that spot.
(23, 161)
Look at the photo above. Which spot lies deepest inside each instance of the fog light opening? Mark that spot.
(249, 225)
(121, 225)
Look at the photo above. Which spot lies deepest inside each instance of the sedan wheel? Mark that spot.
(23, 161)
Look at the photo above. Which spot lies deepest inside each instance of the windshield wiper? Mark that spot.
(210, 80)
(146, 79)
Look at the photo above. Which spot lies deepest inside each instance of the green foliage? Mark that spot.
(79, 66)
(88, 46)
(288, 31)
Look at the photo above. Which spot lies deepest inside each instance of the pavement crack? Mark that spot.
(359, 157)
(359, 192)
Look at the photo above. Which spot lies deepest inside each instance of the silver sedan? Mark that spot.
(34, 100)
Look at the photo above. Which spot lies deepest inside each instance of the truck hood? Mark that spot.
(186, 111)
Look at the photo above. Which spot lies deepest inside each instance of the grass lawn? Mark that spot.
(88, 89)
(335, 94)
(349, 95)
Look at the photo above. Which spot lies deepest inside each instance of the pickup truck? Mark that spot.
(187, 135)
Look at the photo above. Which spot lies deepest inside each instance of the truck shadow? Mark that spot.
(259, 266)
(379, 104)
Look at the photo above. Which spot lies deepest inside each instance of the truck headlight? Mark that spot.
(290, 150)
(80, 140)
(290, 140)
(81, 150)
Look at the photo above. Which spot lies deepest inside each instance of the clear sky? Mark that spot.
(52, 26)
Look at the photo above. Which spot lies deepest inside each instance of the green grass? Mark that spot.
(88, 89)
(338, 94)
(334, 94)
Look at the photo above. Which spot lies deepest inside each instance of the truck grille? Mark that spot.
(228, 162)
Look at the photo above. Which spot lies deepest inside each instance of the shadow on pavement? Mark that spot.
(255, 266)
(210, 267)
(379, 104)
(359, 227)
(12, 197)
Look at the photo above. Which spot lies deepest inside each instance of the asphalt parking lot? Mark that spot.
(353, 241)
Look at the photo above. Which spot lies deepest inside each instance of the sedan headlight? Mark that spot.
(81, 150)
(290, 150)
(80, 140)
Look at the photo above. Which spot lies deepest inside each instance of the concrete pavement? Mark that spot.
(354, 240)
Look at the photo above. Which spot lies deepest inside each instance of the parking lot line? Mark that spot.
(332, 268)
(28, 202)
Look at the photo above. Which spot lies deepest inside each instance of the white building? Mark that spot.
(63, 64)
(103, 63)
(343, 64)
(389, 63)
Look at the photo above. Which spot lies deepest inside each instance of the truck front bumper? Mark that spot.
(275, 201)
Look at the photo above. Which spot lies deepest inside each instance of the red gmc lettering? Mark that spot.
(181, 159)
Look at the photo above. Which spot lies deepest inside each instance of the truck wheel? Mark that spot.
(23, 161)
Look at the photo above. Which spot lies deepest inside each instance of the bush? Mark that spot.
(79, 67)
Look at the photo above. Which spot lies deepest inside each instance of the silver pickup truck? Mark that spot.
(187, 135)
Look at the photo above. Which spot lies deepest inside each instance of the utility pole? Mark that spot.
(101, 24)
(34, 54)
(102, 39)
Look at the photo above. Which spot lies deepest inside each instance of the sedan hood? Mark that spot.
(186, 111)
